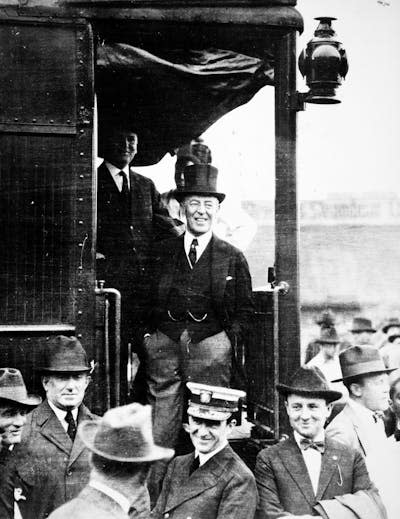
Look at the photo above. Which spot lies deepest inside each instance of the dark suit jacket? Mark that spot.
(222, 488)
(90, 504)
(127, 243)
(57, 468)
(230, 282)
(284, 485)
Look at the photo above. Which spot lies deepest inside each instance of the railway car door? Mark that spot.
(46, 187)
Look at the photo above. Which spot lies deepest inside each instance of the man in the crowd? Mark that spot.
(327, 360)
(201, 309)
(53, 454)
(212, 482)
(309, 475)
(130, 217)
(390, 351)
(122, 451)
(15, 403)
(325, 320)
(362, 331)
(394, 402)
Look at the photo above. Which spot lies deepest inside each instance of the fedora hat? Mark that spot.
(393, 322)
(124, 434)
(328, 336)
(361, 324)
(12, 387)
(213, 402)
(309, 381)
(361, 360)
(65, 355)
(199, 179)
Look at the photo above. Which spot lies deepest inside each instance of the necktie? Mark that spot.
(194, 466)
(378, 416)
(71, 431)
(193, 252)
(125, 187)
(305, 444)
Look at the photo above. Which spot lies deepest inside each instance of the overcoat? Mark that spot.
(222, 488)
(57, 468)
(90, 504)
(230, 283)
(284, 485)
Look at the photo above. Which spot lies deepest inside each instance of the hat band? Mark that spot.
(362, 369)
(218, 404)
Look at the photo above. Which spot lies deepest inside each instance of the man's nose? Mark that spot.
(19, 420)
(203, 430)
(305, 413)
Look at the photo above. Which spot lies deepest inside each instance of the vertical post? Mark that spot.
(286, 211)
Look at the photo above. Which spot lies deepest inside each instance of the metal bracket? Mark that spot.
(296, 101)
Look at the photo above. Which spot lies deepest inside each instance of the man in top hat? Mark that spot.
(202, 306)
(122, 451)
(52, 452)
(309, 475)
(211, 482)
(362, 331)
(130, 216)
(15, 403)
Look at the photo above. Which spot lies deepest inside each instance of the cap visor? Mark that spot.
(208, 414)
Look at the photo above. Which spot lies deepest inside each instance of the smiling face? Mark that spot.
(200, 212)
(120, 147)
(307, 415)
(208, 435)
(12, 421)
(66, 390)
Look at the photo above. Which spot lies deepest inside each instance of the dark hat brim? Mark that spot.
(369, 372)
(30, 401)
(87, 432)
(362, 330)
(328, 394)
(180, 194)
(387, 327)
(328, 341)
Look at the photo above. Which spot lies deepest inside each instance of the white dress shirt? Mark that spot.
(115, 173)
(203, 240)
(203, 458)
(61, 414)
(312, 459)
(113, 494)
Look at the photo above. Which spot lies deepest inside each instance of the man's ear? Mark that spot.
(329, 408)
(186, 427)
(391, 405)
(232, 423)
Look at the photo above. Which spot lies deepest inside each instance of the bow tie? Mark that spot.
(305, 444)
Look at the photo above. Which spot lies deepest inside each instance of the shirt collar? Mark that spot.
(113, 494)
(203, 239)
(203, 458)
(319, 438)
(363, 412)
(61, 414)
(115, 171)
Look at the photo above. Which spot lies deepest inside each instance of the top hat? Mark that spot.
(199, 179)
(65, 355)
(328, 336)
(392, 322)
(361, 360)
(12, 387)
(124, 434)
(361, 324)
(213, 402)
(326, 318)
(309, 381)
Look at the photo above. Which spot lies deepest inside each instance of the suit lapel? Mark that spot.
(219, 268)
(52, 430)
(329, 465)
(78, 446)
(359, 429)
(293, 460)
(168, 268)
(106, 182)
(184, 487)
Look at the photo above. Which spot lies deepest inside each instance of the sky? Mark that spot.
(352, 147)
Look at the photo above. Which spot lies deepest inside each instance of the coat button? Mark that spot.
(166, 516)
(69, 473)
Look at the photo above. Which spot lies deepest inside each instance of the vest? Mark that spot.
(190, 303)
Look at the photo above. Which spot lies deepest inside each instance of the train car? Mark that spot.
(57, 58)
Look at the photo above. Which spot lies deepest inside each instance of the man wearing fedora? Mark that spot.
(52, 452)
(309, 475)
(122, 451)
(15, 403)
(202, 306)
(211, 482)
(362, 331)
